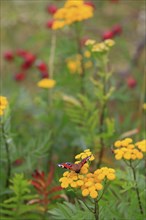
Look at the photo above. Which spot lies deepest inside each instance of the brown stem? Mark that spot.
(137, 190)
(8, 157)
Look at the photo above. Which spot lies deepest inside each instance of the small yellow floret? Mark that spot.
(93, 194)
(85, 192)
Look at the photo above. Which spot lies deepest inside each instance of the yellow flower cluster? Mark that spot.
(3, 104)
(89, 183)
(73, 11)
(99, 47)
(128, 150)
(46, 83)
(74, 64)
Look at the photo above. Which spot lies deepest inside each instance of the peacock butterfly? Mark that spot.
(73, 166)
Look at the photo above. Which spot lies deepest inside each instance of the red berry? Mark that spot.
(107, 35)
(19, 76)
(90, 3)
(50, 23)
(9, 55)
(117, 29)
(131, 82)
(52, 9)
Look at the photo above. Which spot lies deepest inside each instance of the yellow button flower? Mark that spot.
(111, 176)
(93, 194)
(80, 182)
(99, 186)
(46, 83)
(118, 144)
(127, 156)
(85, 192)
(64, 184)
(73, 184)
(3, 104)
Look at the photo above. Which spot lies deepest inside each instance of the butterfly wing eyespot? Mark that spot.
(66, 165)
(74, 167)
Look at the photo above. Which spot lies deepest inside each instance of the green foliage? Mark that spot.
(71, 211)
(17, 207)
(84, 113)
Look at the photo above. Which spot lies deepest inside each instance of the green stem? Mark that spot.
(96, 210)
(8, 156)
(137, 190)
(103, 107)
(79, 49)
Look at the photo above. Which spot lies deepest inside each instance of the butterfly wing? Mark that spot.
(74, 167)
(66, 165)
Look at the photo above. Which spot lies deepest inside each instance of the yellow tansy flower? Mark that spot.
(46, 83)
(3, 104)
(85, 192)
(93, 194)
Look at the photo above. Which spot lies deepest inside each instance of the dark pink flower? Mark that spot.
(50, 23)
(90, 3)
(19, 76)
(18, 162)
(117, 29)
(9, 55)
(131, 82)
(52, 9)
(107, 35)
(44, 75)
(28, 60)
(42, 66)
(21, 52)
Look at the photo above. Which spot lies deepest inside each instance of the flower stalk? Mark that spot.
(136, 189)
(8, 156)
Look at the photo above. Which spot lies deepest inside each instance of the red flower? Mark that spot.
(44, 75)
(52, 9)
(42, 66)
(131, 82)
(50, 23)
(19, 77)
(18, 162)
(28, 60)
(107, 35)
(21, 53)
(43, 185)
(9, 55)
(90, 3)
(117, 29)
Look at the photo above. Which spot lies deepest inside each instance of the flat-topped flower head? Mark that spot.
(72, 11)
(3, 104)
(126, 149)
(89, 183)
(101, 47)
(46, 83)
